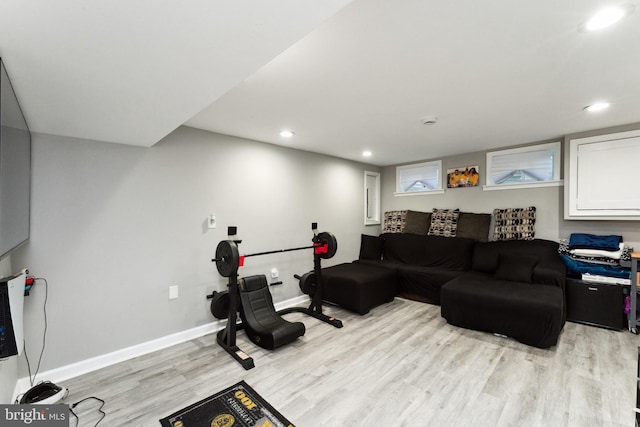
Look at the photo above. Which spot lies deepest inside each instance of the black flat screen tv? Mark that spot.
(15, 169)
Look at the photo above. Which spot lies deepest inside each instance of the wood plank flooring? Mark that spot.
(399, 365)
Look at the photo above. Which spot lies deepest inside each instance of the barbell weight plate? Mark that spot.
(308, 283)
(227, 258)
(331, 242)
(220, 304)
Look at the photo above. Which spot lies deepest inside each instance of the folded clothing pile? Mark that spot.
(603, 259)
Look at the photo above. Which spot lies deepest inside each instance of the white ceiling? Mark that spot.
(496, 72)
(131, 71)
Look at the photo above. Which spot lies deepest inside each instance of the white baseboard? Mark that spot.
(300, 300)
(88, 365)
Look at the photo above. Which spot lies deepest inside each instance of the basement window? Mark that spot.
(419, 178)
(525, 167)
(371, 198)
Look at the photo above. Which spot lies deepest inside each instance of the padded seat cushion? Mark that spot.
(263, 325)
(531, 314)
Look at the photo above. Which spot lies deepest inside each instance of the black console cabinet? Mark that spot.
(597, 304)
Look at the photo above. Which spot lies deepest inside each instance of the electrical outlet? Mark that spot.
(211, 221)
(274, 273)
(173, 292)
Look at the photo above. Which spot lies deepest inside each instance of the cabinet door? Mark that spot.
(601, 169)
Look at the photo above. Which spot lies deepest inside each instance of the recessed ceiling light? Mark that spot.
(598, 106)
(286, 133)
(607, 17)
(429, 120)
(367, 153)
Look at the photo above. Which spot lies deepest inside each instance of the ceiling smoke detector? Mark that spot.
(429, 120)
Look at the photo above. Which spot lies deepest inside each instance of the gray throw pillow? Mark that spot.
(417, 222)
(474, 226)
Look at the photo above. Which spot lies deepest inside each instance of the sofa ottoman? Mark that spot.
(531, 314)
(358, 287)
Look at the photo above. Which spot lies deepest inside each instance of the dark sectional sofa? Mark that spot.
(513, 288)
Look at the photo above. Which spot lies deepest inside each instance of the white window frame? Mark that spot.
(439, 190)
(371, 191)
(554, 182)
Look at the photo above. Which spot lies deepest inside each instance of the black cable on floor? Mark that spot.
(32, 379)
(73, 405)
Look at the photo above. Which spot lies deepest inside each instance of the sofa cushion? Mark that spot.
(394, 221)
(516, 268)
(370, 247)
(514, 223)
(417, 222)
(444, 222)
(549, 270)
(428, 251)
(474, 226)
(424, 283)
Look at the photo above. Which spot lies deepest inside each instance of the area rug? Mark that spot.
(236, 406)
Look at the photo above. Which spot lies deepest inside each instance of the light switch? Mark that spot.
(173, 292)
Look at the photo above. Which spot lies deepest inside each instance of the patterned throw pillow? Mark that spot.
(444, 222)
(394, 221)
(514, 223)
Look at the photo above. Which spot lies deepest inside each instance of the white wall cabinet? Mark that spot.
(601, 173)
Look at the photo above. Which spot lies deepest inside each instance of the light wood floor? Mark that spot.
(400, 365)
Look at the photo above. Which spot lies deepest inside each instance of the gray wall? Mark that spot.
(114, 226)
(473, 199)
(549, 203)
(9, 366)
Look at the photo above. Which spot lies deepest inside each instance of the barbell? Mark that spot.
(228, 258)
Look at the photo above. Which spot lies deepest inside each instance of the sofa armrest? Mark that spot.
(550, 272)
